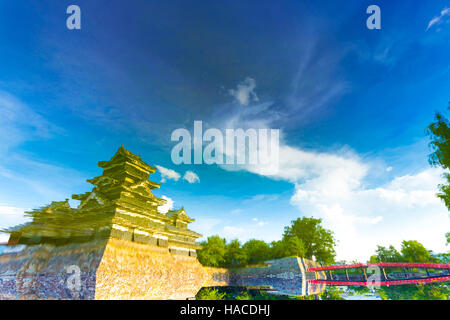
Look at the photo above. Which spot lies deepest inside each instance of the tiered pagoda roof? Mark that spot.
(121, 205)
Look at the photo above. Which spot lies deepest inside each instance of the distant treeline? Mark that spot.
(305, 237)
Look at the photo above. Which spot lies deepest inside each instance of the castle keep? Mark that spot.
(121, 205)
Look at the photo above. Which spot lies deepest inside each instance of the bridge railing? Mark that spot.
(383, 264)
(381, 283)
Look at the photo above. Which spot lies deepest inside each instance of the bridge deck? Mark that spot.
(381, 283)
(383, 264)
(381, 277)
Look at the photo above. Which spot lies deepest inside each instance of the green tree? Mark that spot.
(257, 251)
(209, 294)
(294, 247)
(235, 255)
(384, 254)
(431, 292)
(439, 132)
(243, 296)
(443, 258)
(317, 241)
(413, 251)
(360, 289)
(213, 252)
(331, 293)
(290, 246)
(277, 249)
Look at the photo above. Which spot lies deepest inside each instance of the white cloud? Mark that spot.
(333, 186)
(207, 226)
(388, 169)
(168, 174)
(316, 84)
(8, 210)
(232, 232)
(191, 177)
(259, 223)
(406, 208)
(4, 237)
(262, 197)
(262, 223)
(167, 206)
(12, 216)
(244, 93)
(295, 164)
(442, 18)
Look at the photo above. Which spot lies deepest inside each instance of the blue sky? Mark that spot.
(352, 105)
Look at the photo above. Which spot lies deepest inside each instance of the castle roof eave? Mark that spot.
(180, 214)
(127, 154)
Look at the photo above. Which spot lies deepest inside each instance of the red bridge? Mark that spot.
(383, 273)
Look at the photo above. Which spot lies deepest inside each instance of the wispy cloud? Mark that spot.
(19, 123)
(11, 211)
(262, 198)
(244, 93)
(168, 174)
(4, 237)
(315, 84)
(313, 88)
(191, 177)
(41, 179)
(444, 17)
(207, 226)
(259, 222)
(233, 232)
(10, 217)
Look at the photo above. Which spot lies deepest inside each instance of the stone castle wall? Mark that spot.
(116, 269)
(131, 270)
(284, 276)
(45, 272)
